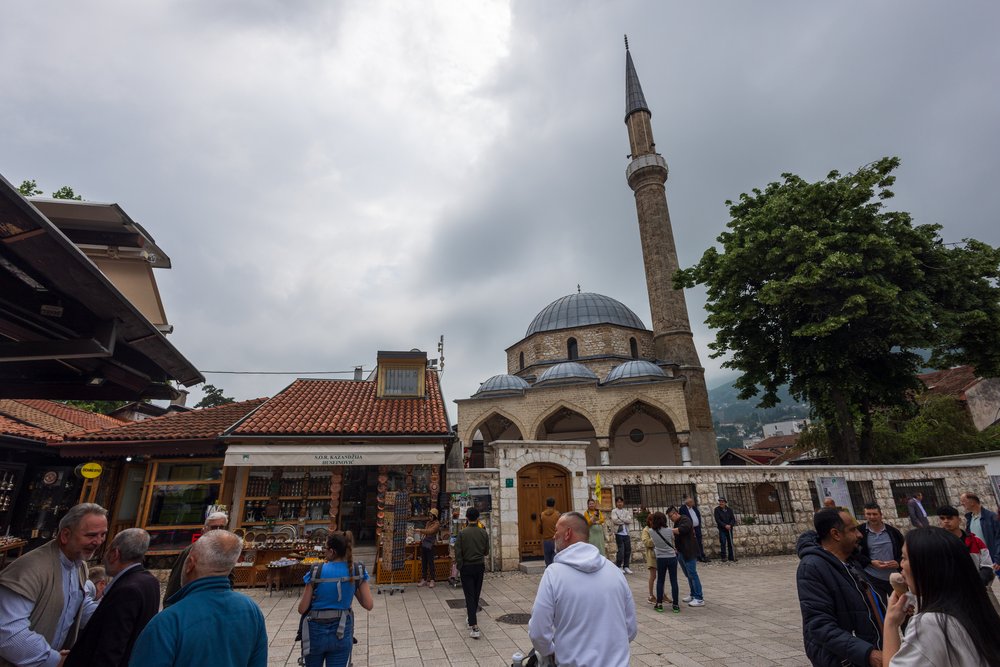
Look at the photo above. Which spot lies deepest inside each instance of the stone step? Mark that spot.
(531, 566)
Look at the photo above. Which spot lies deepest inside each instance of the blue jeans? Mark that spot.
(726, 542)
(662, 566)
(690, 568)
(325, 647)
(549, 549)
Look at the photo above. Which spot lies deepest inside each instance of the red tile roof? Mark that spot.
(950, 382)
(203, 424)
(777, 442)
(54, 417)
(753, 457)
(13, 427)
(348, 407)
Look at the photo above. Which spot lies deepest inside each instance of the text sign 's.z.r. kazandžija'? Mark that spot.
(345, 459)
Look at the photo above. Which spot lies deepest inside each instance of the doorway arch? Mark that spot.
(535, 483)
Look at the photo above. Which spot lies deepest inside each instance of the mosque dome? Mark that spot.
(502, 384)
(578, 310)
(634, 371)
(566, 372)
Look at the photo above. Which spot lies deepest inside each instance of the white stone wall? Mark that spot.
(750, 540)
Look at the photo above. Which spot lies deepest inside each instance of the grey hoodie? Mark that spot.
(663, 542)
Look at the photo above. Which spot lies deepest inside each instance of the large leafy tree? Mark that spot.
(214, 396)
(819, 286)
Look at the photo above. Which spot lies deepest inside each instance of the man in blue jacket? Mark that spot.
(207, 624)
(982, 523)
(840, 611)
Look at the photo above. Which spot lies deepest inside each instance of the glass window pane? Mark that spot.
(189, 471)
(181, 504)
(171, 540)
(400, 382)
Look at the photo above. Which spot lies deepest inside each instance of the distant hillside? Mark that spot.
(727, 408)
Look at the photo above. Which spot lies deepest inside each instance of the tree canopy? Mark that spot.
(819, 286)
(213, 397)
(29, 188)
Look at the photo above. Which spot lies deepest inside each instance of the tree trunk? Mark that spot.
(848, 447)
(867, 442)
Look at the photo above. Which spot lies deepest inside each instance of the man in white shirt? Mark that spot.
(621, 519)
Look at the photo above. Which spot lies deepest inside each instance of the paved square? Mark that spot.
(751, 617)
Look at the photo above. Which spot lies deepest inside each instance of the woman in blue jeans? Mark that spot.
(666, 559)
(328, 626)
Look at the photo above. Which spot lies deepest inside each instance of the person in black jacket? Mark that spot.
(129, 602)
(840, 612)
(687, 555)
(691, 511)
(880, 550)
(725, 521)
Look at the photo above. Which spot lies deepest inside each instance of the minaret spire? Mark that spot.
(673, 341)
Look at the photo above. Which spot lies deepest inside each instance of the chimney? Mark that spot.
(181, 398)
(357, 373)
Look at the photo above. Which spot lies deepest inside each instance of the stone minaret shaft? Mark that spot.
(673, 341)
(647, 174)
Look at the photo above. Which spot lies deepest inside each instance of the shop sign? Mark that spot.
(363, 455)
(91, 470)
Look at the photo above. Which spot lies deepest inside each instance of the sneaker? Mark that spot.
(687, 598)
(658, 608)
(627, 570)
(430, 584)
(422, 583)
(651, 599)
(696, 603)
(677, 609)
(474, 632)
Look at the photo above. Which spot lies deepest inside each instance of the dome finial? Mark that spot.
(626, 42)
(578, 288)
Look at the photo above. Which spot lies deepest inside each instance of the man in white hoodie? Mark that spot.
(584, 613)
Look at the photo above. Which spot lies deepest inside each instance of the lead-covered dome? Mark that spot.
(568, 371)
(578, 310)
(502, 384)
(634, 371)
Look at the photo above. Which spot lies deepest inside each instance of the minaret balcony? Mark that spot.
(651, 162)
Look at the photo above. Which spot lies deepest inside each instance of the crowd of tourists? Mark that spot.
(873, 598)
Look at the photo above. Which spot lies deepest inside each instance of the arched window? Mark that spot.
(520, 361)
(633, 348)
(571, 351)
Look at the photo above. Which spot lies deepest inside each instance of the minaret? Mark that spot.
(673, 341)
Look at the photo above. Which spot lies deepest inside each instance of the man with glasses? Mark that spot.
(215, 521)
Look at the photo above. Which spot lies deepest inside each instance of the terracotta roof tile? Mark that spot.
(751, 456)
(950, 382)
(84, 419)
(22, 411)
(777, 442)
(201, 424)
(348, 407)
(13, 427)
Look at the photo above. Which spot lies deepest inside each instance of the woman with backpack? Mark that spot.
(328, 620)
(666, 559)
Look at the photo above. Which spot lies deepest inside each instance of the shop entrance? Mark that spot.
(357, 503)
(535, 483)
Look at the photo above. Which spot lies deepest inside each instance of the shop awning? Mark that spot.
(334, 455)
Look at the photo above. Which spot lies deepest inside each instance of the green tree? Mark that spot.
(29, 188)
(101, 407)
(66, 192)
(817, 285)
(213, 396)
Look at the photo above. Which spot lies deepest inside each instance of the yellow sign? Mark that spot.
(91, 470)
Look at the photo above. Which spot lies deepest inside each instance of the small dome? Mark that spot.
(632, 371)
(568, 371)
(578, 310)
(502, 384)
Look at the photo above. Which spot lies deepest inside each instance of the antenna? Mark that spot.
(441, 354)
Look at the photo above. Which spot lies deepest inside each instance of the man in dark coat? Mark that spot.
(725, 521)
(915, 508)
(214, 521)
(129, 602)
(880, 550)
(687, 555)
(691, 511)
(839, 623)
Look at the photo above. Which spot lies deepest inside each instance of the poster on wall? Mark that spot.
(836, 488)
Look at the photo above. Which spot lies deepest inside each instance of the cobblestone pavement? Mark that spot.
(751, 617)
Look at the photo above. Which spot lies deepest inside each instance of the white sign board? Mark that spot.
(836, 488)
(334, 455)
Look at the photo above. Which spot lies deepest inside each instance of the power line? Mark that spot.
(350, 372)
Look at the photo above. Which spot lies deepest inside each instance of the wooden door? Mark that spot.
(535, 483)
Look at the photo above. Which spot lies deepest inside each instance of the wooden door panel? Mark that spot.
(534, 484)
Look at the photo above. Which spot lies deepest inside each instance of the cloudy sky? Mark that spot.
(331, 179)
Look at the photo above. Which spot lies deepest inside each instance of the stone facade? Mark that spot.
(601, 347)
(756, 539)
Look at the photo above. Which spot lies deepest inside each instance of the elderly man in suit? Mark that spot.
(915, 508)
(129, 602)
(982, 523)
